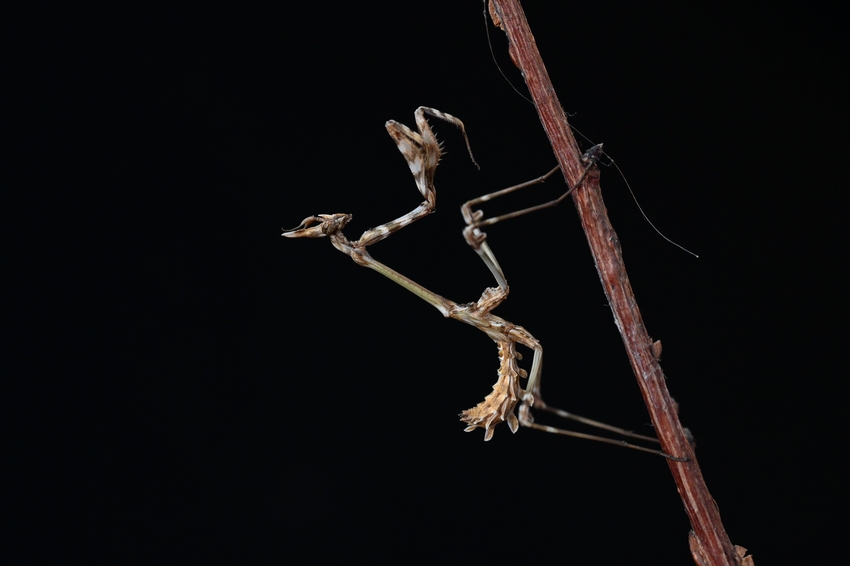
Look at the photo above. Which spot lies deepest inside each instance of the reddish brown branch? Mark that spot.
(709, 542)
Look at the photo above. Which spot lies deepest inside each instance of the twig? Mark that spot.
(709, 542)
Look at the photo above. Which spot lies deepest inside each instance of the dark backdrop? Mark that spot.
(191, 387)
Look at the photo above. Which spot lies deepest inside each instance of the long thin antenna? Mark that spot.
(645, 217)
(493, 55)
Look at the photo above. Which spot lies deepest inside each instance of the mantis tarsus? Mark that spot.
(422, 152)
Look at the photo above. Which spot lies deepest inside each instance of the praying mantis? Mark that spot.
(422, 152)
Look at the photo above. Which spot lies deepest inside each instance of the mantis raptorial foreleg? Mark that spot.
(422, 153)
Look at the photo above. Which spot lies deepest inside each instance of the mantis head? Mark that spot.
(327, 224)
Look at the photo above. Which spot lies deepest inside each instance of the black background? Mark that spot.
(191, 387)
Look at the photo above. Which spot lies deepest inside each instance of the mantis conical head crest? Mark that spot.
(327, 224)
